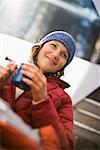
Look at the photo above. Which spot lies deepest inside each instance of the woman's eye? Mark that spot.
(54, 45)
(64, 55)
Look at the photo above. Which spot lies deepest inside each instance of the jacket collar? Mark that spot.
(61, 83)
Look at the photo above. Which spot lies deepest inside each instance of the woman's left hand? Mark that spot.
(6, 72)
(36, 80)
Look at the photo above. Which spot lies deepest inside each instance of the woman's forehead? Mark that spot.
(58, 44)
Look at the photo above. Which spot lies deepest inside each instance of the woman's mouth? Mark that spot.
(51, 60)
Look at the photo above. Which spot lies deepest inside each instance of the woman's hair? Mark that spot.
(33, 59)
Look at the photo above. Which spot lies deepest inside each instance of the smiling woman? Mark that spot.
(31, 20)
(45, 102)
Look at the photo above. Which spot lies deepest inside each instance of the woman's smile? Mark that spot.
(52, 62)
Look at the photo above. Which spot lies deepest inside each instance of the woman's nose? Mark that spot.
(55, 55)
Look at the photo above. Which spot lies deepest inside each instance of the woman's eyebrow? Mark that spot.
(65, 52)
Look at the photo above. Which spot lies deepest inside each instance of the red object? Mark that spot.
(13, 138)
(55, 110)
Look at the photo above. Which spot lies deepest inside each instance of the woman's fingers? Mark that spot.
(30, 67)
(12, 66)
(32, 72)
(34, 77)
(39, 90)
(5, 72)
(36, 80)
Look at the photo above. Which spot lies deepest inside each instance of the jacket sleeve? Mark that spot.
(0, 91)
(45, 113)
(66, 117)
(49, 138)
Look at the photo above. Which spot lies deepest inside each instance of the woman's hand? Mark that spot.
(5, 72)
(36, 80)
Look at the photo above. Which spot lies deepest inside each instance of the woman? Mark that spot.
(45, 103)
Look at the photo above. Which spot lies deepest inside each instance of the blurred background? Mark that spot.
(30, 20)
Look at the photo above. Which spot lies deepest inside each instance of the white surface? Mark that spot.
(83, 76)
(16, 49)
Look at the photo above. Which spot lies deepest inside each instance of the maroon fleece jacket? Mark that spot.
(56, 110)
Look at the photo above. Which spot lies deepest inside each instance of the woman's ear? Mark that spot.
(32, 50)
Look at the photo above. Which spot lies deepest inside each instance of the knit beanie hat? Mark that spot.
(65, 38)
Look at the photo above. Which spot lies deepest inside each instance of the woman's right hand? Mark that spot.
(6, 72)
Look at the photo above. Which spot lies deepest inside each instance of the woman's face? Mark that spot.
(52, 57)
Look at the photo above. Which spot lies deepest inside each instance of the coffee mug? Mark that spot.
(17, 79)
